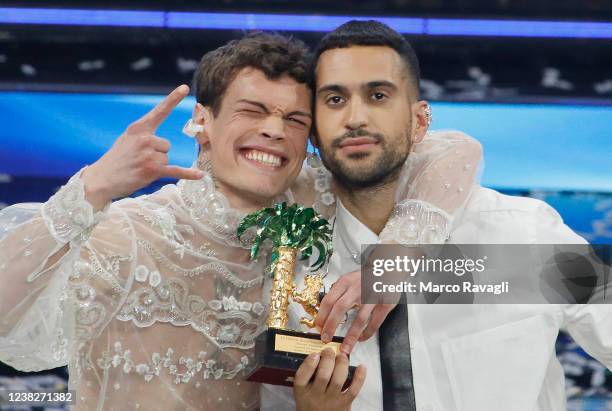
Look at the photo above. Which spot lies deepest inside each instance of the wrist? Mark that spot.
(68, 215)
(97, 192)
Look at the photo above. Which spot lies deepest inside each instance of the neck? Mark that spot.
(242, 201)
(372, 206)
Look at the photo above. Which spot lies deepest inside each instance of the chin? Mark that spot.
(266, 191)
(361, 168)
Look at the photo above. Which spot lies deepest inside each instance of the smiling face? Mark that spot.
(258, 140)
(364, 111)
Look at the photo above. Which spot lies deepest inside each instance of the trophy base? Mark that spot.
(279, 353)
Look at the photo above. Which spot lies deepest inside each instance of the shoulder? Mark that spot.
(448, 134)
(498, 217)
(166, 196)
(127, 216)
(486, 200)
(303, 188)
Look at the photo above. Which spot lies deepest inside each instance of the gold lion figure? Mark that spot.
(308, 298)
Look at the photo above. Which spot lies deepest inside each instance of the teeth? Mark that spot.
(264, 158)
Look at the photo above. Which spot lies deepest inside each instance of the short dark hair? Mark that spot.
(275, 55)
(371, 33)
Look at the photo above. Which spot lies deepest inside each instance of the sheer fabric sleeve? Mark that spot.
(314, 187)
(40, 247)
(436, 181)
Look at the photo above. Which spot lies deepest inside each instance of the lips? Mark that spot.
(358, 141)
(358, 145)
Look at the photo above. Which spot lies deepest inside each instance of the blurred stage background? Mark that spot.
(532, 80)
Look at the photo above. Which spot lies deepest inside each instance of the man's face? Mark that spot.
(363, 114)
(258, 139)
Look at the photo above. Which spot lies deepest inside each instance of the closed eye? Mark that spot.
(298, 121)
(246, 110)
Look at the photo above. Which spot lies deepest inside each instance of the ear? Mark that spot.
(419, 121)
(203, 115)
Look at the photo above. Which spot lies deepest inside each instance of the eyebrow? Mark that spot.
(344, 90)
(332, 87)
(255, 103)
(380, 83)
(265, 109)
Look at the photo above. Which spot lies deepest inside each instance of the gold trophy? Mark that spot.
(294, 231)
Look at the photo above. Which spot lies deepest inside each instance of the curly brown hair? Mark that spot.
(275, 55)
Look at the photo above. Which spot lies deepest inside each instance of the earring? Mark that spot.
(192, 128)
(428, 115)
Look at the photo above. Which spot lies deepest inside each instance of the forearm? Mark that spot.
(35, 238)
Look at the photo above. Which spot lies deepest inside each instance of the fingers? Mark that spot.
(152, 120)
(379, 314)
(340, 373)
(160, 144)
(159, 159)
(360, 322)
(328, 302)
(324, 371)
(306, 371)
(358, 380)
(182, 173)
(342, 306)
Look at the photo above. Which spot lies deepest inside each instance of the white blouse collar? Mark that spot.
(212, 210)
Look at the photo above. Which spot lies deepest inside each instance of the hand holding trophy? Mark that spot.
(293, 230)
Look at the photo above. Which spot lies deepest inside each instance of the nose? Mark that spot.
(273, 128)
(357, 115)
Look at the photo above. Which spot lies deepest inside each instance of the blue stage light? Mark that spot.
(296, 22)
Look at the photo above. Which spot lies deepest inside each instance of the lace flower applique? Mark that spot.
(183, 369)
(325, 199)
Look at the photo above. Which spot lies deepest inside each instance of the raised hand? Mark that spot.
(137, 158)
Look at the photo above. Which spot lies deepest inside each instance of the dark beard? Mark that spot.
(386, 169)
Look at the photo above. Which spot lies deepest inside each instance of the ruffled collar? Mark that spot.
(212, 210)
